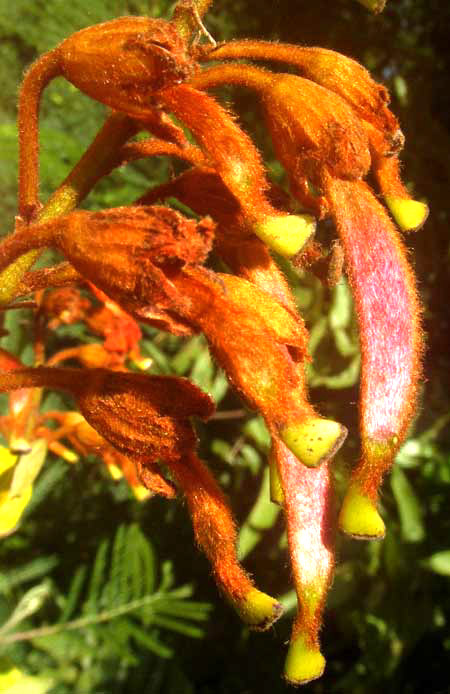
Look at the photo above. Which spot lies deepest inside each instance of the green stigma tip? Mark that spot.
(303, 663)
(359, 517)
(286, 234)
(258, 610)
(276, 489)
(315, 440)
(410, 215)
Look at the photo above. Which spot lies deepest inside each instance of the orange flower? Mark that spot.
(143, 417)
(121, 61)
(145, 244)
(383, 286)
(320, 140)
(313, 129)
(353, 84)
(215, 534)
(388, 312)
(334, 71)
(118, 63)
(238, 163)
(259, 342)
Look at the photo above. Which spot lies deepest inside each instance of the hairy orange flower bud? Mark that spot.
(311, 128)
(122, 61)
(127, 252)
(238, 163)
(259, 343)
(143, 417)
(332, 70)
(118, 63)
(328, 135)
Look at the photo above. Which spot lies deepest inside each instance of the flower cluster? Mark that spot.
(330, 126)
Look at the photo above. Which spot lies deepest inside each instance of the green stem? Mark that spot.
(82, 622)
(98, 160)
(36, 79)
(187, 14)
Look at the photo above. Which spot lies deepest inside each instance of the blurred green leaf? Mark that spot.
(439, 562)
(408, 505)
(262, 516)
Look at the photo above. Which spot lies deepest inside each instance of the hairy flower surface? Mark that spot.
(144, 417)
(334, 71)
(391, 343)
(320, 140)
(145, 263)
(238, 163)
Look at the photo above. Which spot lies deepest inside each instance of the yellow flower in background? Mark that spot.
(11, 507)
(14, 681)
(17, 474)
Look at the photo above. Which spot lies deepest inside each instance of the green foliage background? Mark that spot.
(121, 599)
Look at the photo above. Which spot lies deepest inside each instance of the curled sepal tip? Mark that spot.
(304, 662)
(314, 440)
(359, 517)
(258, 610)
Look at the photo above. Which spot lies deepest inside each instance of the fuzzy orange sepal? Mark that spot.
(215, 534)
(334, 71)
(119, 62)
(143, 417)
